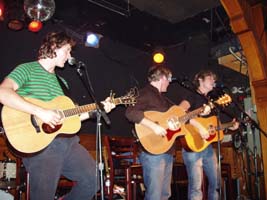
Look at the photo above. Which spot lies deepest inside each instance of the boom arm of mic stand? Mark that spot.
(99, 106)
(190, 88)
(250, 121)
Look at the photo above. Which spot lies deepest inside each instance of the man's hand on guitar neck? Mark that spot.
(108, 104)
(206, 110)
(235, 125)
(157, 129)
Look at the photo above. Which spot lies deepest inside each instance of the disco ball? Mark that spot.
(40, 10)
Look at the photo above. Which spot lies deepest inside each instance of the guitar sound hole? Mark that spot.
(48, 129)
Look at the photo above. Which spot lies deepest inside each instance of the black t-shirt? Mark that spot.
(196, 100)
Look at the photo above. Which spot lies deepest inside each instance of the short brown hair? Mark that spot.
(202, 74)
(156, 72)
(53, 41)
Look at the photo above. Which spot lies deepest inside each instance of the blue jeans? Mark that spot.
(157, 173)
(64, 156)
(195, 163)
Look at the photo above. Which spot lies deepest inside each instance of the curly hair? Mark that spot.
(52, 41)
(156, 72)
(202, 75)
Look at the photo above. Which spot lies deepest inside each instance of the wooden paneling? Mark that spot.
(248, 23)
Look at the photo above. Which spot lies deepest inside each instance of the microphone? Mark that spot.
(173, 79)
(179, 79)
(219, 85)
(184, 82)
(73, 62)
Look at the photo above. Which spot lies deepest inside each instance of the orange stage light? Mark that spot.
(35, 26)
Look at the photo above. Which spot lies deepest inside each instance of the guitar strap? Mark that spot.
(63, 86)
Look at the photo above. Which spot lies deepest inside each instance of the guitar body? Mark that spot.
(157, 144)
(194, 141)
(174, 121)
(22, 134)
(28, 134)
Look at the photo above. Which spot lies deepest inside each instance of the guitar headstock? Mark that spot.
(128, 99)
(224, 100)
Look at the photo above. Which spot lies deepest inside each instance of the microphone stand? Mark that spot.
(254, 125)
(246, 121)
(186, 86)
(100, 112)
(219, 151)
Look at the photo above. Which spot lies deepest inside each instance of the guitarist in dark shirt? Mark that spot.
(206, 159)
(157, 169)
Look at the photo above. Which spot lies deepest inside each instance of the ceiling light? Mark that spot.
(92, 39)
(15, 16)
(35, 26)
(1, 11)
(15, 24)
(158, 57)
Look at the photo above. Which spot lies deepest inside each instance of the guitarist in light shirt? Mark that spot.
(206, 160)
(64, 155)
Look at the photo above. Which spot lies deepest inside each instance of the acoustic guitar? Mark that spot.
(28, 134)
(193, 141)
(174, 121)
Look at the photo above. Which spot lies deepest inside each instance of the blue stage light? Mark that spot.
(92, 40)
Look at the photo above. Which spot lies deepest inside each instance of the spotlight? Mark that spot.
(15, 24)
(1, 10)
(1, 15)
(15, 16)
(158, 57)
(35, 26)
(92, 39)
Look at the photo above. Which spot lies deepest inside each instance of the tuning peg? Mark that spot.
(111, 94)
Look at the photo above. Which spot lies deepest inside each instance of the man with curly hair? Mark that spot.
(64, 155)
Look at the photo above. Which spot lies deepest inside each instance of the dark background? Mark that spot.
(118, 65)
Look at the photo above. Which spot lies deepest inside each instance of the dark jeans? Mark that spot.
(64, 156)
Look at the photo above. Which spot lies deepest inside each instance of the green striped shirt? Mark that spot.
(35, 82)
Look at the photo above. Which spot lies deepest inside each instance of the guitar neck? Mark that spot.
(190, 115)
(86, 108)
